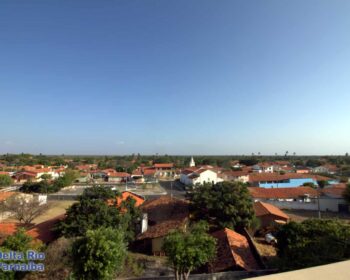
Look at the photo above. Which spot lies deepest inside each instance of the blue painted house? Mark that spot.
(276, 180)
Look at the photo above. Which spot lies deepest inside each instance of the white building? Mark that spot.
(193, 176)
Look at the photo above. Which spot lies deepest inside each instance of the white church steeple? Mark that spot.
(192, 163)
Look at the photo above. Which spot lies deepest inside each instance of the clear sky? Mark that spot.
(175, 76)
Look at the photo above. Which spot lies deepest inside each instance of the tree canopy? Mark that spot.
(188, 250)
(96, 208)
(99, 254)
(5, 180)
(225, 204)
(313, 242)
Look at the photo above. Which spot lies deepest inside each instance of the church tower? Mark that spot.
(192, 163)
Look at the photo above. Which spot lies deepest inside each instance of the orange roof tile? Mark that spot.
(233, 250)
(262, 209)
(125, 195)
(163, 165)
(282, 193)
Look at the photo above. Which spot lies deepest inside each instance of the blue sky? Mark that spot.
(175, 77)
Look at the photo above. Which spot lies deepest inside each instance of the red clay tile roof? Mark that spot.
(262, 209)
(283, 193)
(125, 195)
(165, 208)
(335, 191)
(149, 171)
(162, 229)
(43, 231)
(163, 165)
(6, 195)
(233, 250)
(118, 174)
(166, 214)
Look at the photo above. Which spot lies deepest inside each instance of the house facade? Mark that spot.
(194, 176)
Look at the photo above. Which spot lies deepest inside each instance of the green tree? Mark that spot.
(99, 254)
(188, 250)
(225, 204)
(46, 177)
(99, 192)
(5, 180)
(19, 242)
(88, 214)
(313, 242)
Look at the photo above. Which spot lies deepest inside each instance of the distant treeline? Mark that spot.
(130, 162)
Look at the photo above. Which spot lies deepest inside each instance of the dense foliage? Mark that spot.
(99, 254)
(5, 180)
(97, 207)
(313, 242)
(225, 204)
(19, 242)
(45, 186)
(188, 250)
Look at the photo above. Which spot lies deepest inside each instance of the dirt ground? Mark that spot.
(55, 208)
(267, 252)
(301, 215)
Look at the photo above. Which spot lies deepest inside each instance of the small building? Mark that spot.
(164, 170)
(235, 176)
(118, 177)
(269, 215)
(164, 214)
(194, 175)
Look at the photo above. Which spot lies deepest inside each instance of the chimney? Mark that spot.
(144, 223)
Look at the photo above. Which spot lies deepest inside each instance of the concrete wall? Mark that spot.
(326, 204)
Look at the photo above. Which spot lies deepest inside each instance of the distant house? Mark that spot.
(164, 170)
(24, 176)
(118, 177)
(84, 177)
(233, 252)
(199, 175)
(326, 168)
(161, 216)
(269, 215)
(332, 199)
(236, 176)
(302, 170)
(144, 174)
(305, 198)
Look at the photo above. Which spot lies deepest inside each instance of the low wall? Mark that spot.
(326, 204)
(220, 275)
